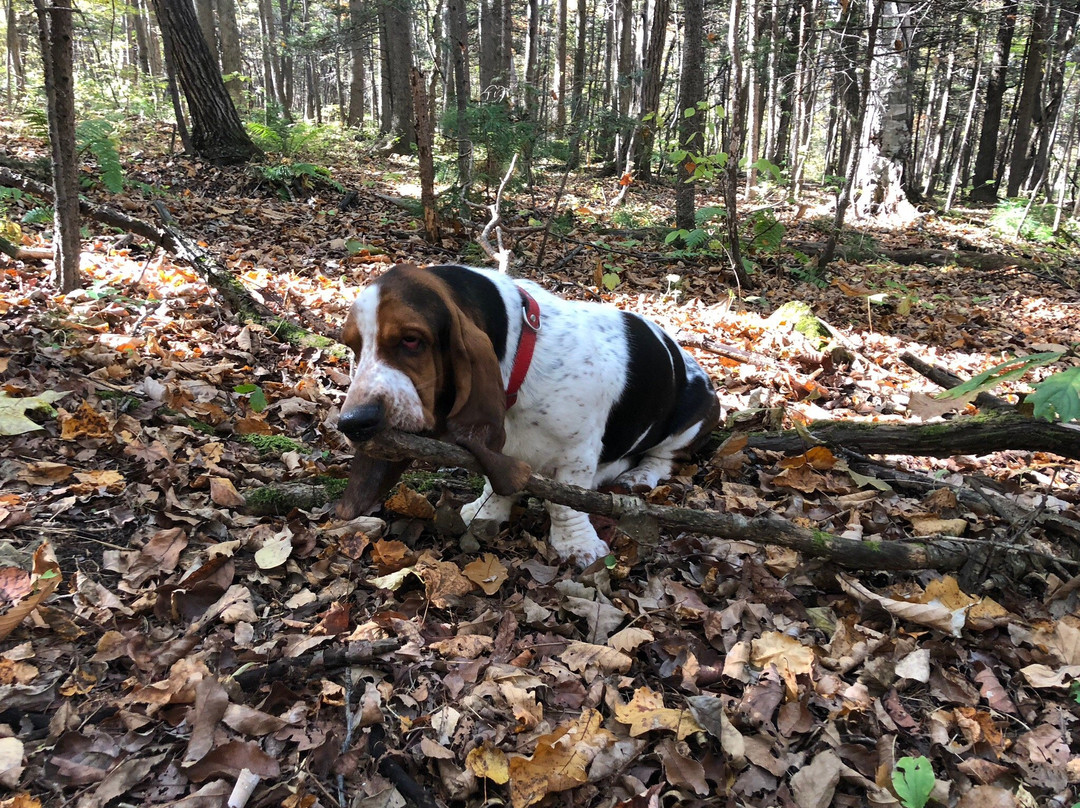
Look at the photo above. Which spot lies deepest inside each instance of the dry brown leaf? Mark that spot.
(630, 638)
(224, 493)
(789, 656)
(443, 580)
(579, 656)
(680, 769)
(390, 556)
(85, 422)
(44, 579)
(487, 572)
(409, 503)
(560, 761)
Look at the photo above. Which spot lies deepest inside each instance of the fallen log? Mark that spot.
(939, 553)
(974, 435)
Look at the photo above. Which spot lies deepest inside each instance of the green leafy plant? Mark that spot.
(1036, 224)
(1058, 396)
(913, 780)
(98, 136)
(1055, 398)
(255, 394)
(294, 178)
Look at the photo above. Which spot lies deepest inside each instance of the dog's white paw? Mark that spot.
(488, 506)
(580, 544)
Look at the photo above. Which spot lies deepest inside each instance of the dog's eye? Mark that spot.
(411, 343)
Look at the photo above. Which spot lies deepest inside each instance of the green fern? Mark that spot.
(266, 137)
(98, 136)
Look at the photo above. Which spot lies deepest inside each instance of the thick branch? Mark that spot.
(979, 435)
(767, 528)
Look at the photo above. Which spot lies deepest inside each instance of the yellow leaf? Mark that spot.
(581, 655)
(487, 572)
(646, 711)
(13, 420)
(488, 760)
(789, 656)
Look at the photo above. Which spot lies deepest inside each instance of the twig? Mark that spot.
(501, 256)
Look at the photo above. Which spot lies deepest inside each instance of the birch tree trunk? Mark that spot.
(885, 141)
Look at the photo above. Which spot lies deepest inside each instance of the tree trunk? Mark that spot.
(204, 10)
(216, 131)
(1028, 104)
(787, 41)
(844, 199)
(457, 25)
(142, 39)
(397, 44)
(559, 79)
(58, 55)
(577, 95)
(14, 55)
(231, 57)
(984, 188)
(1064, 39)
(356, 50)
(268, 32)
(285, 71)
(650, 90)
(751, 129)
(425, 137)
(691, 127)
(885, 142)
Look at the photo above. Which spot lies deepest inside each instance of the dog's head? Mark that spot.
(421, 364)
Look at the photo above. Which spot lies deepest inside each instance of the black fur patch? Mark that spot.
(480, 299)
(654, 393)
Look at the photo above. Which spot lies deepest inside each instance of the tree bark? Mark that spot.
(691, 127)
(984, 188)
(216, 131)
(425, 136)
(58, 55)
(1028, 104)
(397, 45)
(577, 96)
(204, 11)
(559, 78)
(356, 50)
(231, 57)
(885, 142)
(458, 29)
(650, 90)
(14, 55)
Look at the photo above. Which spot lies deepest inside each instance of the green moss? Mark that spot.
(334, 486)
(196, 425)
(268, 499)
(125, 401)
(272, 444)
(821, 539)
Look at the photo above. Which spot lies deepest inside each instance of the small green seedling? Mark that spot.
(913, 780)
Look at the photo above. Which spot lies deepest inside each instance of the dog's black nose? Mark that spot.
(360, 423)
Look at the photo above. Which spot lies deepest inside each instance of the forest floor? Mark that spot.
(186, 638)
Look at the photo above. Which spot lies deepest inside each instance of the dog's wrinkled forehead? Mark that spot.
(406, 290)
(403, 295)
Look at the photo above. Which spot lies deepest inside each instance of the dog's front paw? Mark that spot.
(581, 545)
(488, 506)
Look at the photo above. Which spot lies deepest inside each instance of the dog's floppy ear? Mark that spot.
(475, 420)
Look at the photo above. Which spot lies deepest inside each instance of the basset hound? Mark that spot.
(581, 392)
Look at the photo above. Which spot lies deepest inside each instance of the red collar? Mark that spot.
(530, 327)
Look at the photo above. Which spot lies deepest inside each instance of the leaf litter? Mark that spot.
(180, 643)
